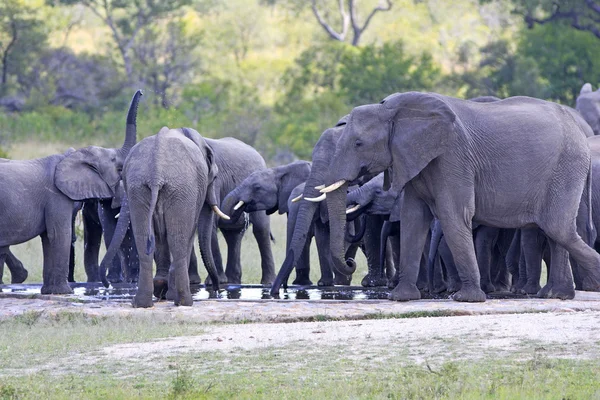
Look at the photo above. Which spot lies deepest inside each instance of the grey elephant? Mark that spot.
(167, 178)
(18, 273)
(588, 105)
(269, 190)
(509, 164)
(39, 194)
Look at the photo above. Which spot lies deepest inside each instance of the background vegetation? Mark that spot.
(274, 73)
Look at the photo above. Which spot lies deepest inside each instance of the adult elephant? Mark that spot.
(38, 198)
(507, 164)
(312, 210)
(588, 105)
(269, 190)
(167, 178)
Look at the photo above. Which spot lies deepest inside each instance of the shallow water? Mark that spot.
(125, 292)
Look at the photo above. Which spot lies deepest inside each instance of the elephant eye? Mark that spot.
(358, 143)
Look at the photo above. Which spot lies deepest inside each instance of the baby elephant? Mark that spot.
(167, 178)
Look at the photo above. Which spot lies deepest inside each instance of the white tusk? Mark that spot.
(333, 187)
(238, 205)
(297, 198)
(351, 210)
(320, 187)
(220, 213)
(316, 199)
(117, 216)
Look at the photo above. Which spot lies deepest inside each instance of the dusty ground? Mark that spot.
(420, 331)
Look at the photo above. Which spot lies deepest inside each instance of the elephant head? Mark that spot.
(371, 199)
(588, 105)
(94, 172)
(267, 189)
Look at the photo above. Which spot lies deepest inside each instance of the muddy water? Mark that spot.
(125, 292)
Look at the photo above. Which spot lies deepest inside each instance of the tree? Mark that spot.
(128, 19)
(583, 15)
(22, 37)
(346, 10)
(164, 57)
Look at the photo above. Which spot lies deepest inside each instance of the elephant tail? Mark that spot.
(591, 228)
(153, 200)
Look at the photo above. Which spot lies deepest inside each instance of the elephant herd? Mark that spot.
(441, 194)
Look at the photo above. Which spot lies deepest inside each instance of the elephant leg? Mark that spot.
(303, 265)
(445, 257)
(56, 244)
(261, 229)
(416, 218)
(217, 258)
(373, 241)
(439, 282)
(92, 237)
(485, 239)
(162, 258)
(139, 222)
(456, 223)
(2, 259)
(194, 275)
(71, 276)
(18, 273)
(109, 223)
(233, 271)
(392, 255)
(513, 254)
(422, 276)
(180, 240)
(532, 240)
(501, 277)
(560, 282)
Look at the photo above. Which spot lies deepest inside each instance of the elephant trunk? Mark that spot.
(131, 125)
(205, 227)
(361, 227)
(230, 202)
(296, 244)
(336, 208)
(117, 239)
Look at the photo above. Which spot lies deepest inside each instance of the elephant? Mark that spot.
(313, 213)
(167, 178)
(269, 190)
(371, 200)
(512, 163)
(39, 198)
(588, 105)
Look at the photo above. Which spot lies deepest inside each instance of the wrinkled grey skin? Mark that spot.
(468, 162)
(588, 105)
(269, 190)
(52, 184)
(321, 159)
(18, 273)
(236, 161)
(167, 177)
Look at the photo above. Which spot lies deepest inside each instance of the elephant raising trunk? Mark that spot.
(131, 125)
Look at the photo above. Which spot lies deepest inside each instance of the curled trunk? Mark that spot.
(360, 225)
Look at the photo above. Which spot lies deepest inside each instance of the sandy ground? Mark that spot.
(516, 329)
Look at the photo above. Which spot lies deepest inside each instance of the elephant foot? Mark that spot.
(185, 299)
(502, 287)
(267, 280)
(392, 283)
(343, 280)
(530, 288)
(439, 289)
(372, 280)
(195, 279)
(325, 282)
(590, 284)
(19, 276)
(222, 279)
(304, 281)
(488, 287)
(61, 288)
(161, 287)
(552, 291)
(114, 278)
(469, 294)
(140, 301)
(405, 292)
(234, 280)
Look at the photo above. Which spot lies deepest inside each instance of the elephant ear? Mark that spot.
(78, 179)
(421, 129)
